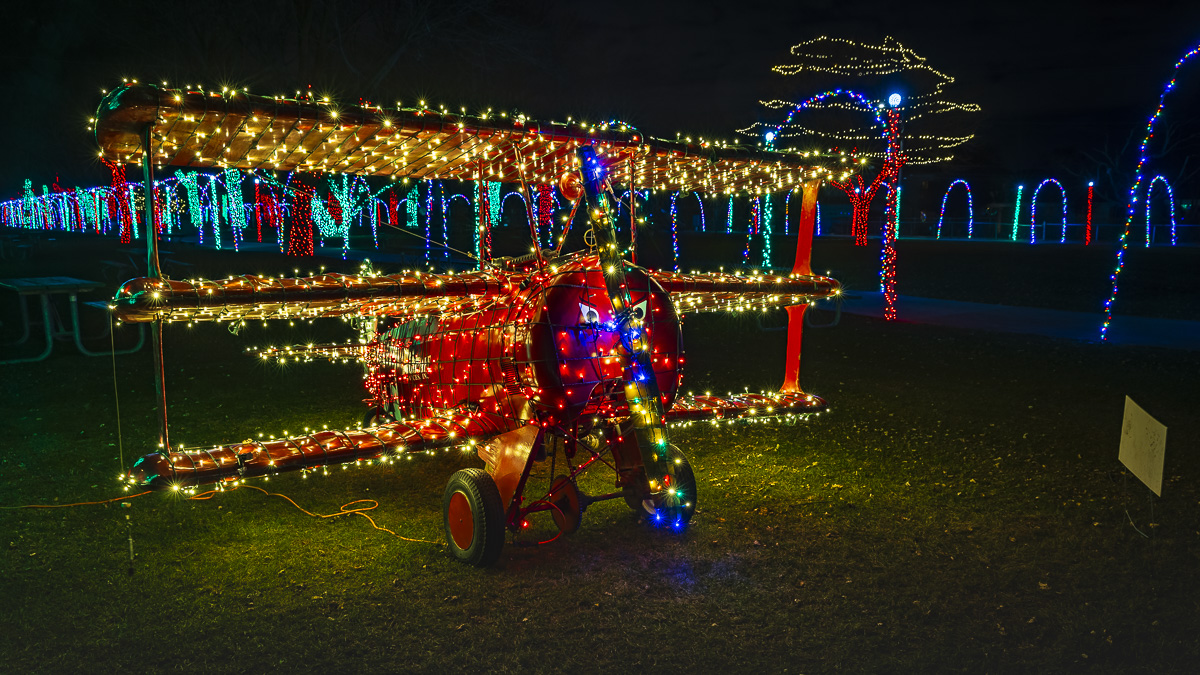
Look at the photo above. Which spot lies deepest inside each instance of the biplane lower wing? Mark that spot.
(744, 406)
(712, 292)
(181, 469)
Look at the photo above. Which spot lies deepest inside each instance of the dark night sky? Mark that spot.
(1054, 78)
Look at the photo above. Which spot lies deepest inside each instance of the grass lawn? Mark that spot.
(960, 509)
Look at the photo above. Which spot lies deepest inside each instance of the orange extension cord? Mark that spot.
(368, 504)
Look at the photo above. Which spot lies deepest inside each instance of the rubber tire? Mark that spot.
(683, 477)
(686, 480)
(634, 499)
(483, 498)
(376, 416)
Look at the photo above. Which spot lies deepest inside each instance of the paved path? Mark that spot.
(1084, 326)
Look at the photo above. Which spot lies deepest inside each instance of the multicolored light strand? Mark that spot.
(893, 162)
(1143, 157)
(846, 58)
(766, 230)
(675, 231)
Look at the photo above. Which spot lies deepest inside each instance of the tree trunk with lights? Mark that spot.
(861, 194)
(894, 160)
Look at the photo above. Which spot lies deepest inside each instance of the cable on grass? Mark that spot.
(345, 510)
(63, 506)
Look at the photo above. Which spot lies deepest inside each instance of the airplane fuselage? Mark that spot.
(547, 348)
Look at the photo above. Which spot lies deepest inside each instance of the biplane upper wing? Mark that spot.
(327, 295)
(234, 129)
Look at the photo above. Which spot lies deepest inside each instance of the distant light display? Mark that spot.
(970, 208)
(1170, 203)
(1087, 232)
(1033, 209)
(1017, 212)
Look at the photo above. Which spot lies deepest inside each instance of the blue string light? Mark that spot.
(675, 231)
(766, 229)
(1170, 203)
(1033, 210)
(970, 208)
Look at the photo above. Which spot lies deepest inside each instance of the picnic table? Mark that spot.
(45, 288)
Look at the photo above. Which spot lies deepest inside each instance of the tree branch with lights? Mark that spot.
(911, 128)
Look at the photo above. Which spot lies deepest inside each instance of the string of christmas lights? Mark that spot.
(1170, 204)
(878, 62)
(766, 229)
(1033, 209)
(893, 161)
(1134, 190)
(970, 208)
(1017, 212)
(1087, 232)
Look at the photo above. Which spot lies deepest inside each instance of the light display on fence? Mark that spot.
(1135, 189)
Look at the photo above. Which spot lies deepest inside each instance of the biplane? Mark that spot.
(572, 353)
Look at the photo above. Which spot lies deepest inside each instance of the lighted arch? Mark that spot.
(700, 202)
(644, 195)
(504, 202)
(774, 133)
(787, 213)
(1033, 210)
(1170, 202)
(970, 208)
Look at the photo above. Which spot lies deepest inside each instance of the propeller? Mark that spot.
(661, 460)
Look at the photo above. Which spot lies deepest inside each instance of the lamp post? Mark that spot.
(892, 164)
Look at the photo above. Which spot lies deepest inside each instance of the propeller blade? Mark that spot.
(642, 393)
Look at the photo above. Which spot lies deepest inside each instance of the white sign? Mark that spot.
(1143, 440)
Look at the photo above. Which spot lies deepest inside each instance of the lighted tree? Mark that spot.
(853, 120)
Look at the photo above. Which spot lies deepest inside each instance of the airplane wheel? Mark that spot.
(678, 509)
(376, 416)
(569, 513)
(675, 510)
(635, 499)
(474, 518)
